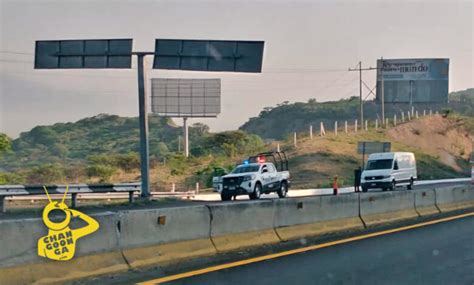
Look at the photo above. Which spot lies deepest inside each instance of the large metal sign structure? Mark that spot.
(209, 55)
(186, 98)
(180, 54)
(413, 80)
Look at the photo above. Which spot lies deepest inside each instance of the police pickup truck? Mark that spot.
(257, 176)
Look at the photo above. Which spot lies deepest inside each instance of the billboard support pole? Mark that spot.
(143, 121)
(383, 95)
(185, 137)
(360, 93)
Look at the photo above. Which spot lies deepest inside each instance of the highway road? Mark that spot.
(423, 184)
(438, 253)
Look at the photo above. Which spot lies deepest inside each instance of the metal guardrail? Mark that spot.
(74, 189)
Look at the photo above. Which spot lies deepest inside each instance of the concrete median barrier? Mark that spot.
(379, 208)
(96, 254)
(160, 236)
(455, 198)
(300, 217)
(425, 202)
(242, 224)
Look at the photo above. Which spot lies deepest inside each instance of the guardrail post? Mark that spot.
(311, 131)
(345, 127)
(173, 188)
(130, 196)
(376, 124)
(197, 187)
(73, 200)
(335, 128)
(355, 126)
(366, 125)
(2, 204)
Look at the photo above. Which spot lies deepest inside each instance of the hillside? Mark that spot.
(67, 143)
(284, 119)
(442, 147)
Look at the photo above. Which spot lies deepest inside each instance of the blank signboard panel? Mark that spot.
(186, 97)
(113, 53)
(209, 55)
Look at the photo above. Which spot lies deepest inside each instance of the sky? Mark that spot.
(309, 46)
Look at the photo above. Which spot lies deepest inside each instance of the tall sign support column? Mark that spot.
(383, 95)
(143, 119)
(186, 137)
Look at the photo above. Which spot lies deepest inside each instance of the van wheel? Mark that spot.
(410, 186)
(225, 197)
(257, 191)
(393, 186)
(283, 190)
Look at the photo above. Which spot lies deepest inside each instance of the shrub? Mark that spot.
(46, 173)
(103, 172)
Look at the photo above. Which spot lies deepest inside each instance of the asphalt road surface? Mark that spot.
(436, 254)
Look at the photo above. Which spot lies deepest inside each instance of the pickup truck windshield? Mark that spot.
(246, 168)
(379, 164)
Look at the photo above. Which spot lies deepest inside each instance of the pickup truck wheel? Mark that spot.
(225, 197)
(257, 191)
(283, 190)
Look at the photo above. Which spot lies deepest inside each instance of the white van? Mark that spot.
(388, 170)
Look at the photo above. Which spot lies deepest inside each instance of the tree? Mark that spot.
(128, 161)
(103, 172)
(199, 129)
(5, 143)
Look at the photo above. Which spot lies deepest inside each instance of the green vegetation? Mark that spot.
(5, 143)
(99, 148)
(462, 102)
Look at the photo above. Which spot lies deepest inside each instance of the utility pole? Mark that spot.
(361, 103)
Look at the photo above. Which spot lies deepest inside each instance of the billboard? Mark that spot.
(186, 97)
(413, 80)
(108, 53)
(373, 147)
(209, 55)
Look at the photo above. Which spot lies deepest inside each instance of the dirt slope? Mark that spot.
(445, 138)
